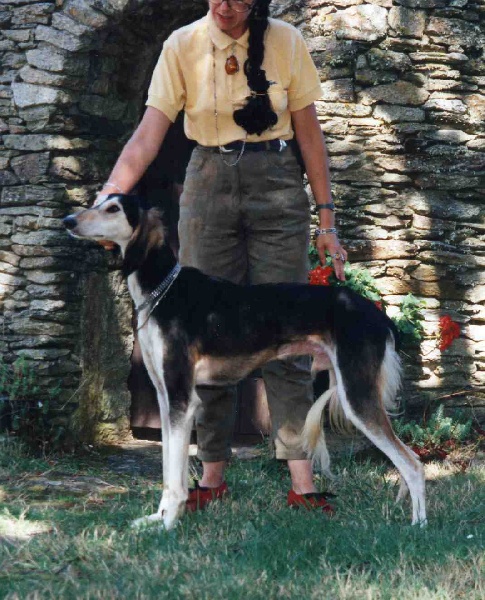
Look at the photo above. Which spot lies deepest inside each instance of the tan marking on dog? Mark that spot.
(313, 346)
(210, 370)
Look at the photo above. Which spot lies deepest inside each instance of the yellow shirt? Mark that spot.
(185, 74)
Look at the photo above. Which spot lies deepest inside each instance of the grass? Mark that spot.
(56, 543)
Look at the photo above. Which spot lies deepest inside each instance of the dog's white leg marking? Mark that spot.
(175, 493)
(151, 344)
(172, 504)
(403, 458)
(164, 419)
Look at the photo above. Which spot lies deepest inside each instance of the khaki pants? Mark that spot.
(249, 224)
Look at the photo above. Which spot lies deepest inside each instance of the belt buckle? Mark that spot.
(283, 145)
(226, 150)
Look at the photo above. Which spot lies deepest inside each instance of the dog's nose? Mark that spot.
(70, 222)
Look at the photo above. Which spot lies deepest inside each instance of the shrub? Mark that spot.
(25, 406)
(436, 436)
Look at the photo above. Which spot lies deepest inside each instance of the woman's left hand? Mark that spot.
(329, 243)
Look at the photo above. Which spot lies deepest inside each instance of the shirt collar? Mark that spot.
(220, 39)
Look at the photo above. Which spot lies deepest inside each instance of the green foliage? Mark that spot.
(313, 256)
(409, 320)
(437, 430)
(25, 406)
(362, 282)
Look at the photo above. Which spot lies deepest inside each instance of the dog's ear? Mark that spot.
(137, 247)
(131, 207)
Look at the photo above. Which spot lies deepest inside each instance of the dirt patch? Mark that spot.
(59, 483)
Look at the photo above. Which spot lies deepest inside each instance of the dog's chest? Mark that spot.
(152, 347)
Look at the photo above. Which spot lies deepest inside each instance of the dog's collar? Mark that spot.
(160, 291)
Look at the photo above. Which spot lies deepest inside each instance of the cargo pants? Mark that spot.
(249, 224)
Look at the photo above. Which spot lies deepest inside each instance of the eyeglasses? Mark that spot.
(239, 6)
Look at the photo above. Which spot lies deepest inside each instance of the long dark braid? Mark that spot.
(258, 114)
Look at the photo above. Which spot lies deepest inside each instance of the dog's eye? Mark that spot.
(113, 208)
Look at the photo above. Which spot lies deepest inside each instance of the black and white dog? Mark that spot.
(195, 329)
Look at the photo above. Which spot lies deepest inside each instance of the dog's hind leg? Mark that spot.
(362, 385)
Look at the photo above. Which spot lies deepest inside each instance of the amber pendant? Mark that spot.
(232, 65)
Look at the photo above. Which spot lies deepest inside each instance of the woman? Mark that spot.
(244, 215)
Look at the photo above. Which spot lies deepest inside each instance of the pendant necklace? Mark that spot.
(232, 64)
(216, 114)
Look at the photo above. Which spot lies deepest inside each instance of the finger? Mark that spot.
(339, 270)
(338, 260)
(342, 252)
(343, 255)
(337, 255)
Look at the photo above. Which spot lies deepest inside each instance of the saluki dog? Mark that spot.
(194, 329)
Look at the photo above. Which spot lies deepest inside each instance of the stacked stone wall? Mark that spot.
(72, 86)
(402, 109)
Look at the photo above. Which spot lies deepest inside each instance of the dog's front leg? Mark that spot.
(176, 429)
(175, 484)
(165, 422)
(172, 375)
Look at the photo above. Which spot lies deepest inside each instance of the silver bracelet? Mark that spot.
(325, 231)
(114, 185)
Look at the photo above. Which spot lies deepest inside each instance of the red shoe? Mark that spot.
(312, 501)
(199, 497)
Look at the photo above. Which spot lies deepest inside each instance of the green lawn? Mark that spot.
(60, 544)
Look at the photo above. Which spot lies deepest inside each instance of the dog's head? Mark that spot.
(123, 220)
(114, 219)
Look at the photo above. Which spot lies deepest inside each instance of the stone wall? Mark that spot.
(74, 75)
(402, 109)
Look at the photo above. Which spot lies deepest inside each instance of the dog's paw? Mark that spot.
(144, 522)
(422, 523)
(171, 515)
(172, 508)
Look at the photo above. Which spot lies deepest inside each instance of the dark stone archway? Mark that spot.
(79, 95)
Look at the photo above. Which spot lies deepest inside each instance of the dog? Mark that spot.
(194, 329)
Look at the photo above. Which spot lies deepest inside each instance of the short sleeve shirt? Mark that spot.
(190, 75)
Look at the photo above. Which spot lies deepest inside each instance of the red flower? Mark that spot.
(449, 331)
(320, 275)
